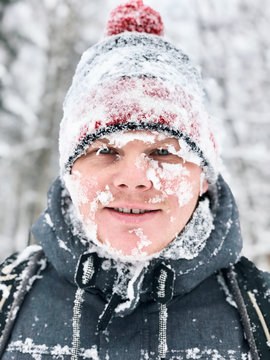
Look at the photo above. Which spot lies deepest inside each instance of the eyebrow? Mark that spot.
(166, 141)
(105, 141)
(102, 141)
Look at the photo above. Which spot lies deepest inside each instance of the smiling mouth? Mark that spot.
(132, 211)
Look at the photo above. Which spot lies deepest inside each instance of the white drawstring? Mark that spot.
(260, 316)
(88, 272)
(76, 323)
(163, 315)
(162, 335)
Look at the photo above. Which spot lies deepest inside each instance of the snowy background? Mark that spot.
(41, 43)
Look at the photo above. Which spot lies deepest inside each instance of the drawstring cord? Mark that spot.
(243, 313)
(108, 312)
(162, 292)
(84, 273)
(260, 316)
(163, 286)
(163, 315)
(162, 334)
(77, 309)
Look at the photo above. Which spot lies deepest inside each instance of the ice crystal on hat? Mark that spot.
(134, 16)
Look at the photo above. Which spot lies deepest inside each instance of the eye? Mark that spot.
(106, 151)
(161, 152)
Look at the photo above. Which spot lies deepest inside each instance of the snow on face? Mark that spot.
(142, 243)
(166, 179)
(81, 191)
(168, 174)
(128, 188)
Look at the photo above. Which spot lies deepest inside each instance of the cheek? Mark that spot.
(175, 182)
(82, 189)
(180, 189)
(171, 185)
(94, 194)
(90, 188)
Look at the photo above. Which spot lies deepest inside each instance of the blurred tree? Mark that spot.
(44, 41)
(41, 42)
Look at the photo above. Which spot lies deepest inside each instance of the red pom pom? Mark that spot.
(134, 16)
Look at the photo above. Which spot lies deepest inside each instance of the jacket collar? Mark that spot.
(63, 249)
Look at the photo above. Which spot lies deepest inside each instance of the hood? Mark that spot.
(63, 248)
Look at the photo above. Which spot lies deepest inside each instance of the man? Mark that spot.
(141, 232)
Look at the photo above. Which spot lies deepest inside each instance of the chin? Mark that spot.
(131, 245)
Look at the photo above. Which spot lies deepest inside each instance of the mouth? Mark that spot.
(132, 215)
(131, 211)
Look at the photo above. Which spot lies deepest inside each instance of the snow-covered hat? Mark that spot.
(136, 80)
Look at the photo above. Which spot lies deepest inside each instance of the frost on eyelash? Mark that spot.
(101, 147)
(185, 152)
(142, 243)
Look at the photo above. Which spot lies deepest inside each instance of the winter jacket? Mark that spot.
(176, 309)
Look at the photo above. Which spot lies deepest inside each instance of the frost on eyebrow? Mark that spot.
(120, 140)
(142, 243)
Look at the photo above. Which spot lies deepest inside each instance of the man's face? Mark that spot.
(134, 191)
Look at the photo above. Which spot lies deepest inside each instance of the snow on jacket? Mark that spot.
(197, 320)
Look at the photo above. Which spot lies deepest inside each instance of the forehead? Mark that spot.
(120, 139)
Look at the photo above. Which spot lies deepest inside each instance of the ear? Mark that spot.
(204, 187)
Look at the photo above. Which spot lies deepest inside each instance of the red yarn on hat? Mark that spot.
(134, 16)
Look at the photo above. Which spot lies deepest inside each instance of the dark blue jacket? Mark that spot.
(71, 313)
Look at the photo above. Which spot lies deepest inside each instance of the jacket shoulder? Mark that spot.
(17, 259)
(17, 274)
(251, 289)
(251, 277)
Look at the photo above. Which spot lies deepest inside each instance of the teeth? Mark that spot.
(131, 211)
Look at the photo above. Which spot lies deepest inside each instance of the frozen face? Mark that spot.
(134, 191)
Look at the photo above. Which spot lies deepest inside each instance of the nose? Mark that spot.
(132, 177)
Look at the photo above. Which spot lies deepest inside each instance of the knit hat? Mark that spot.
(134, 79)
